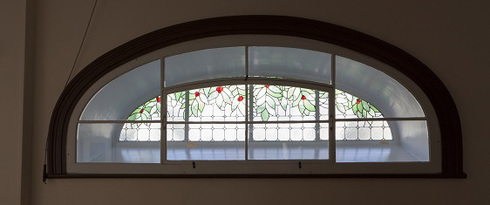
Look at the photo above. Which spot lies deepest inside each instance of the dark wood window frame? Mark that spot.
(434, 89)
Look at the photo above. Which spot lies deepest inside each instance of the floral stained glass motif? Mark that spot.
(286, 103)
(176, 106)
(150, 110)
(270, 103)
(218, 103)
(349, 106)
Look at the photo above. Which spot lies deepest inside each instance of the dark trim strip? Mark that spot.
(74, 176)
(439, 96)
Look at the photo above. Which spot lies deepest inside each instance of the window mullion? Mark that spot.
(186, 117)
(163, 114)
(331, 112)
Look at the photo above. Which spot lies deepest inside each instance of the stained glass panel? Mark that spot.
(286, 103)
(218, 103)
(349, 106)
(176, 106)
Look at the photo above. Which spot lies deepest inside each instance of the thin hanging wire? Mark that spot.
(81, 44)
(67, 80)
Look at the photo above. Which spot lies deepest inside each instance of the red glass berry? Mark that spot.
(158, 99)
(141, 111)
(303, 97)
(267, 86)
(219, 89)
(358, 101)
(197, 94)
(240, 98)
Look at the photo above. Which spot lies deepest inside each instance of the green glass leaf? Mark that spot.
(284, 104)
(309, 106)
(200, 105)
(274, 94)
(194, 110)
(132, 117)
(354, 109)
(260, 108)
(265, 115)
(364, 105)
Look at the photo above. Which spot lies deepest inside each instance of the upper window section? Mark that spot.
(289, 63)
(375, 87)
(207, 64)
(123, 94)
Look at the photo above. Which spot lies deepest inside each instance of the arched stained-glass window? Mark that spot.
(303, 97)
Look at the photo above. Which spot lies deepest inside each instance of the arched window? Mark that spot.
(270, 101)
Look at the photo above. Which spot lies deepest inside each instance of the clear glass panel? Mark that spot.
(140, 132)
(377, 88)
(288, 141)
(205, 64)
(363, 130)
(206, 142)
(286, 103)
(95, 143)
(219, 103)
(369, 141)
(290, 63)
(118, 99)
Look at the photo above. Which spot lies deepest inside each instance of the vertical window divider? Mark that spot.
(317, 115)
(163, 114)
(248, 99)
(331, 109)
(186, 117)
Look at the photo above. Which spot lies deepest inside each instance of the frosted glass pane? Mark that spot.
(96, 143)
(288, 141)
(119, 98)
(373, 141)
(205, 64)
(363, 130)
(206, 142)
(377, 88)
(290, 63)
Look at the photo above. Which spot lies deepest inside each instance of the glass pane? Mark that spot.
(176, 106)
(206, 142)
(349, 106)
(150, 110)
(363, 130)
(140, 132)
(118, 99)
(219, 103)
(372, 141)
(286, 103)
(98, 143)
(366, 83)
(290, 63)
(288, 141)
(205, 64)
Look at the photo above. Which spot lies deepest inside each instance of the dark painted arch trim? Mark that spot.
(439, 96)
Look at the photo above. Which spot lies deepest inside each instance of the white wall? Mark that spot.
(451, 38)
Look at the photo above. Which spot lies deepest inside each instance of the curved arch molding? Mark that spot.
(439, 96)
